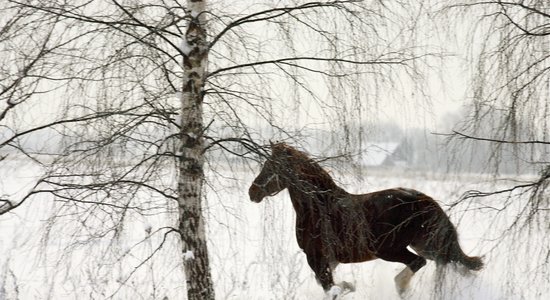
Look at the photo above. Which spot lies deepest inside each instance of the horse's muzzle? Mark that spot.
(255, 193)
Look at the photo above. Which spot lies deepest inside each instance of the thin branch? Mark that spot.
(401, 61)
(492, 140)
(143, 262)
(274, 13)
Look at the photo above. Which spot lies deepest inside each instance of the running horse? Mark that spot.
(334, 226)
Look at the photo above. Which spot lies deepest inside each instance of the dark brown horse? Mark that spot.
(334, 226)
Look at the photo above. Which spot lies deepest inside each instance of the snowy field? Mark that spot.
(47, 251)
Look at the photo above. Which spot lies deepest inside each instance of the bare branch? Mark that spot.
(492, 140)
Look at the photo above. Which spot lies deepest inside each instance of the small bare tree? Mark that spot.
(510, 44)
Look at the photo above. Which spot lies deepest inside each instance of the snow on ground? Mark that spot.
(254, 252)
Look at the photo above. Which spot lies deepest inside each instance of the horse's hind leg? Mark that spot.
(413, 262)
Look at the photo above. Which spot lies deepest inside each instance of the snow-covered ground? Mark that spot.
(253, 250)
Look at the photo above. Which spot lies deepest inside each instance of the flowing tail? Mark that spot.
(439, 240)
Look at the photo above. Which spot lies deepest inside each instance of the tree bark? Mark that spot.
(191, 224)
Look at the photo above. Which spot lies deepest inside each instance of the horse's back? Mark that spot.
(391, 200)
(397, 212)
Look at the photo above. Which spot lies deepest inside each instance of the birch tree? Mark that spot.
(143, 93)
(191, 224)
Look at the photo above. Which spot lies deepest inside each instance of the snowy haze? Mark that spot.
(253, 248)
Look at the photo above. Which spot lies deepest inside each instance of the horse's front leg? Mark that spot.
(323, 273)
(321, 267)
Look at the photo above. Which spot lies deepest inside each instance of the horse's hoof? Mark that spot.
(334, 292)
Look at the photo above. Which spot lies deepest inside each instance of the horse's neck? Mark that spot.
(304, 199)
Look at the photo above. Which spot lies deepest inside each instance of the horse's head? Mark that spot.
(272, 178)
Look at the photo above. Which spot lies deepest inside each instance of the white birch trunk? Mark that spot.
(190, 185)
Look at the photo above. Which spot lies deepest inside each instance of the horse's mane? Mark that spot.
(306, 167)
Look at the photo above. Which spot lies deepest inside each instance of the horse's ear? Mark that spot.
(277, 147)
